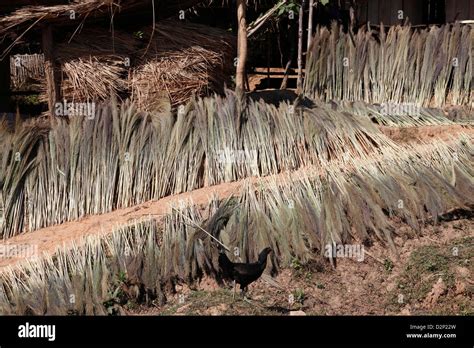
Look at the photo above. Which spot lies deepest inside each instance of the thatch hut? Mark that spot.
(91, 59)
(151, 68)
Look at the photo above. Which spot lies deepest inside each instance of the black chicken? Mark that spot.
(243, 273)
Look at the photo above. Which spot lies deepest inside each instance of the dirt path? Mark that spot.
(49, 239)
(423, 133)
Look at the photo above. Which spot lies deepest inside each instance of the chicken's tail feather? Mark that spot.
(225, 264)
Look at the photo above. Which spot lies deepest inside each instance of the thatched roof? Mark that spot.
(182, 61)
(171, 65)
(27, 17)
(21, 14)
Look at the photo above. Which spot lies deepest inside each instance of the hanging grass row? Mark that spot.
(296, 217)
(123, 157)
(429, 67)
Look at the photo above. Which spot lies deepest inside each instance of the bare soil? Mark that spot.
(430, 277)
(424, 133)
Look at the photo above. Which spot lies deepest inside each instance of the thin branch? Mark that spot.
(9, 48)
(202, 229)
(152, 30)
(255, 26)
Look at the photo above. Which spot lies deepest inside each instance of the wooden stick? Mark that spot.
(310, 23)
(253, 27)
(52, 78)
(299, 87)
(375, 258)
(284, 82)
(202, 229)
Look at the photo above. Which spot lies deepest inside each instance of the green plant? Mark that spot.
(291, 5)
(122, 277)
(299, 296)
(425, 266)
(296, 264)
(32, 99)
(138, 34)
(116, 295)
(301, 270)
(388, 265)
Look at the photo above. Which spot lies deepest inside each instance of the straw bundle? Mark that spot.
(177, 78)
(398, 117)
(193, 60)
(429, 67)
(26, 69)
(124, 157)
(339, 206)
(93, 65)
(93, 79)
(57, 13)
(83, 9)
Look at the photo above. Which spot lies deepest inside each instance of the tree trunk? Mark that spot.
(51, 74)
(310, 23)
(299, 87)
(241, 46)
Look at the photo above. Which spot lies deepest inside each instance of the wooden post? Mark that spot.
(5, 85)
(292, 35)
(310, 23)
(51, 73)
(269, 47)
(299, 87)
(242, 45)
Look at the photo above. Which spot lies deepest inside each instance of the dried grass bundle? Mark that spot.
(94, 65)
(338, 206)
(178, 61)
(93, 79)
(124, 157)
(26, 70)
(429, 67)
(60, 14)
(399, 116)
(178, 77)
(183, 60)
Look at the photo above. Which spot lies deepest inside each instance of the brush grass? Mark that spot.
(336, 203)
(397, 117)
(403, 65)
(124, 157)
